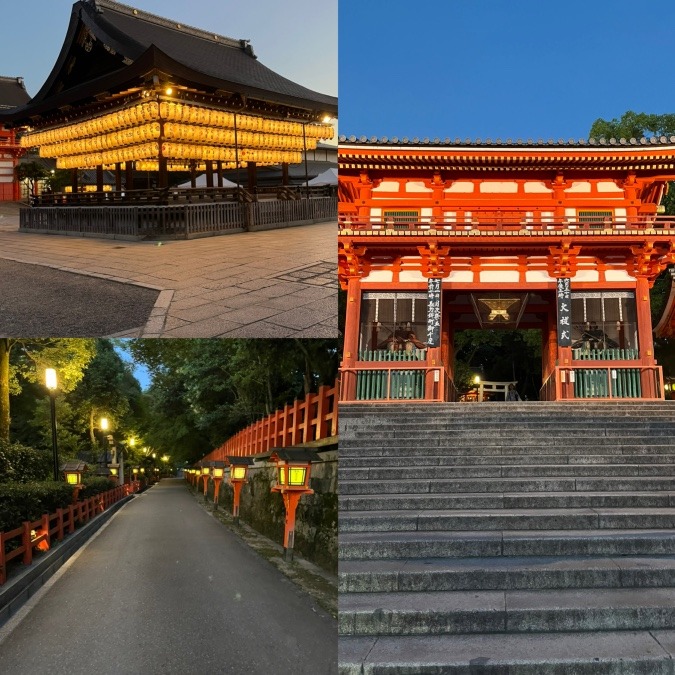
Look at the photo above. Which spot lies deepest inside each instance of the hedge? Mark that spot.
(94, 485)
(22, 464)
(28, 501)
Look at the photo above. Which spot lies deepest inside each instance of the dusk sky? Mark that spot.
(501, 68)
(297, 40)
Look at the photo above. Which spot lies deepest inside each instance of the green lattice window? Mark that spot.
(594, 216)
(402, 217)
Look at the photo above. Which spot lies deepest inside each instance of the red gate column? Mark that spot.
(351, 343)
(645, 338)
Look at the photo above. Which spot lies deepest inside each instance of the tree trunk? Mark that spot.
(307, 374)
(4, 388)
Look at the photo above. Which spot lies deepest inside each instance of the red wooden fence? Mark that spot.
(39, 533)
(303, 421)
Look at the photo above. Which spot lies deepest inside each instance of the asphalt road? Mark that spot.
(166, 589)
(37, 301)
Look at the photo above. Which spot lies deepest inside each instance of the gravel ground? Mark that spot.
(38, 301)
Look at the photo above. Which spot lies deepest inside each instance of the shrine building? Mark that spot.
(12, 94)
(565, 237)
(143, 96)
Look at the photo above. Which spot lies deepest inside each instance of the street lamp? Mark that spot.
(238, 469)
(50, 381)
(293, 467)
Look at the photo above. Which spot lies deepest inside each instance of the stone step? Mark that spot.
(461, 612)
(518, 543)
(487, 445)
(526, 500)
(489, 574)
(497, 471)
(562, 484)
(480, 520)
(384, 461)
(497, 434)
(578, 653)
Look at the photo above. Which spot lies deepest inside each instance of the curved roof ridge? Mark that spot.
(173, 25)
(510, 143)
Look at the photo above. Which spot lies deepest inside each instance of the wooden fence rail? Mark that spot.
(39, 534)
(176, 221)
(311, 419)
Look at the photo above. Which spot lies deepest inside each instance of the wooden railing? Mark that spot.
(175, 220)
(508, 224)
(395, 381)
(603, 381)
(311, 419)
(171, 195)
(40, 533)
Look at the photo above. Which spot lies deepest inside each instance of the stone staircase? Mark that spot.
(507, 538)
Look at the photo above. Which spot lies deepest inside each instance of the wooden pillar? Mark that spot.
(73, 180)
(351, 341)
(163, 173)
(118, 177)
(447, 337)
(129, 177)
(193, 174)
(219, 170)
(252, 176)
(99, 178)
(209, 173)
(284, 174)
(645, 336)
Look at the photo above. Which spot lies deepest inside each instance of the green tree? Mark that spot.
(25, 360)
(636, 125)
(31, 173)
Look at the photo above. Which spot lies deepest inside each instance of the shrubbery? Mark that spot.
(21, 464)
(28, 501)
(95, 485)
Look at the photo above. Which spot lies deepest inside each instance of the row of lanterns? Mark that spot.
(139, 115)
(292, 467)
(180, 151)
(173, 131)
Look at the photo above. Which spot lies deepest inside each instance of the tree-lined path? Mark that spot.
(166, 589)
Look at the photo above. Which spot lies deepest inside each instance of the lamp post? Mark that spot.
(104, 426)
(293, 467)
(50, 381)
(238, 469)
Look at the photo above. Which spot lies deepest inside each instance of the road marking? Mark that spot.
(13, 623)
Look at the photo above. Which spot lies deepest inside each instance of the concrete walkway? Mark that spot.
(277, 283)
(165, 589)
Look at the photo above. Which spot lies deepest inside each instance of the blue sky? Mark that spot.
(298, 41)
(501, 68)
(141, 373)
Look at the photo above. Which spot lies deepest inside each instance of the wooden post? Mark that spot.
(252, 177)
(118, 177)
(284, 174)
(645, 338)
(219, 173)
(26, 543)
(99, 178)
(209, 173)
(351, 341)
(129, 176)
(73, 180)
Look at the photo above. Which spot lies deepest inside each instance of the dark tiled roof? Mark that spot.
(12, 92)
(508, 143)
(133, 31)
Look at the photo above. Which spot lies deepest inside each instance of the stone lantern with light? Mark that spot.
(72, 473)
(238, 472)
(293, 468)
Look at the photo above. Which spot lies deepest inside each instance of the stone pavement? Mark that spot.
(270, 284)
